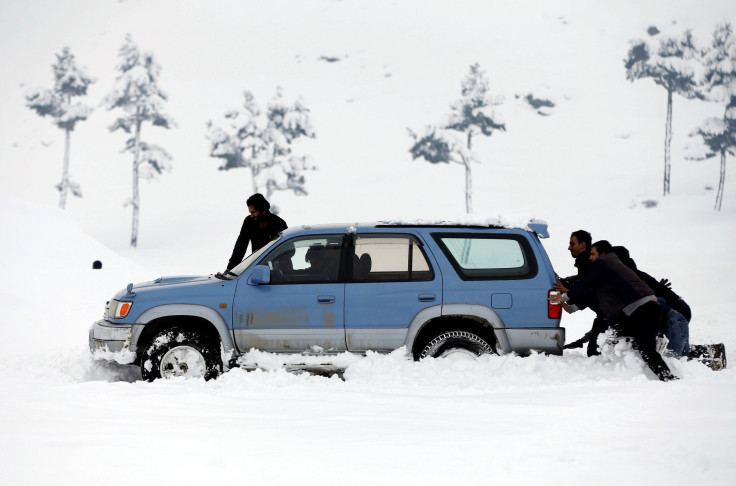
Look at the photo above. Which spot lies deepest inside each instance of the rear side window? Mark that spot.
(488, 257)
(395, 258)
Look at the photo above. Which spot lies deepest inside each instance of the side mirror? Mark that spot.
(261, 275)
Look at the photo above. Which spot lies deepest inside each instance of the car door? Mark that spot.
(302, 307)
(390, 281)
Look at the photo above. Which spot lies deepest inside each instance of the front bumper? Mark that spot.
(106, 336)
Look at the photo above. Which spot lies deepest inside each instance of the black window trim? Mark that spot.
(412, 237)
(526, 248)
(341, 272)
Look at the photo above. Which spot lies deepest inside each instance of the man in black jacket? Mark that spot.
(260, 227)
(579, 248)
(623, 297)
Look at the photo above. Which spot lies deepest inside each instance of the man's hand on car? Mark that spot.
(559, 287)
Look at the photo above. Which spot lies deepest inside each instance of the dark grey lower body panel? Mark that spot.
(545, 340)
(290, 340)
(380, 340)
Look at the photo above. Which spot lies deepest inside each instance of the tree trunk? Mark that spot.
(667, 142)
(136, 193)
(64, 185)
(253, 171)
(253, 179)
(721, 182)
(468, 177)
(468, 185)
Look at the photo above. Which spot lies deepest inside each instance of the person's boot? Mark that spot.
(718, 362)
(711, 355)
(664, 373)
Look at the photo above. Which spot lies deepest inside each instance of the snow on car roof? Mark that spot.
(518, 222)
(526, 223)
(533, 224)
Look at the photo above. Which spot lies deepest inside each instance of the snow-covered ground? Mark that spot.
(590, 163)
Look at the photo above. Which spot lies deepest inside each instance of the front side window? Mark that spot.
(313, 259)
(485, 257)
(389, 259)
(240, 267)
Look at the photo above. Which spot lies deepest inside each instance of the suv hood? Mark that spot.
(162, 283)
(176, 280)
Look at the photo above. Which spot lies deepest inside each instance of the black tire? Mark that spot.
(175, 352)
(456, 341)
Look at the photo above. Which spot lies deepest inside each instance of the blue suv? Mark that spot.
(436, 289)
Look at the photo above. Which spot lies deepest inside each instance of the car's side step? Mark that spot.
(325, 369)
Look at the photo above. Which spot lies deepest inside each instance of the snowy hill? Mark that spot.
(367, 71)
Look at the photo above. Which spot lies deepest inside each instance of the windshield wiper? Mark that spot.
(224, 276)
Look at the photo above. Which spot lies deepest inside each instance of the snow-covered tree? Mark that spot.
(137, 94)
(670, 61)
(452, 141)
(70, 81)
(719, 80)
(262, 142)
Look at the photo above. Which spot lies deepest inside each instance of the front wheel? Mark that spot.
(456, 342)
(175, 352)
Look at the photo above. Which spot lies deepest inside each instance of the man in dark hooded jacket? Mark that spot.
(660, 289)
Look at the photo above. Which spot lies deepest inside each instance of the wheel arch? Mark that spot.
(477, 318)
(186, 316)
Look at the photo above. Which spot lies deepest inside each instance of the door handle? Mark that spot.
(427, 297)
(326, 299)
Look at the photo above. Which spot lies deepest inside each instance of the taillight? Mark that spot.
(554, 311)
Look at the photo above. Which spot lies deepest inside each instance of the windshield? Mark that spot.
(240, 267)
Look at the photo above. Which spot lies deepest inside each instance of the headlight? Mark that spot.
(118, 309)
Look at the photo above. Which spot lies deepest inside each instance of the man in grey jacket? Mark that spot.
(624, 298)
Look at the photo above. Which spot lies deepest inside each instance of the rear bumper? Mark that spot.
(545, 340)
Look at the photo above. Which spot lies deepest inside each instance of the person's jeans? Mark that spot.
(684, 309)
(678, 333)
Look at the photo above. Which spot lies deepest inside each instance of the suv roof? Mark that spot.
(534, 225)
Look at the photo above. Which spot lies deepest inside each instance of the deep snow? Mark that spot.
(65, 419)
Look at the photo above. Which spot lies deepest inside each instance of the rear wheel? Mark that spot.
(456, 343)
(174, 353)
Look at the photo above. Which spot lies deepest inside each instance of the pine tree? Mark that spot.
(719, 79)
(137, 93)
(452, 141)
(70, 81)
(262, 142)
(668, 60)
